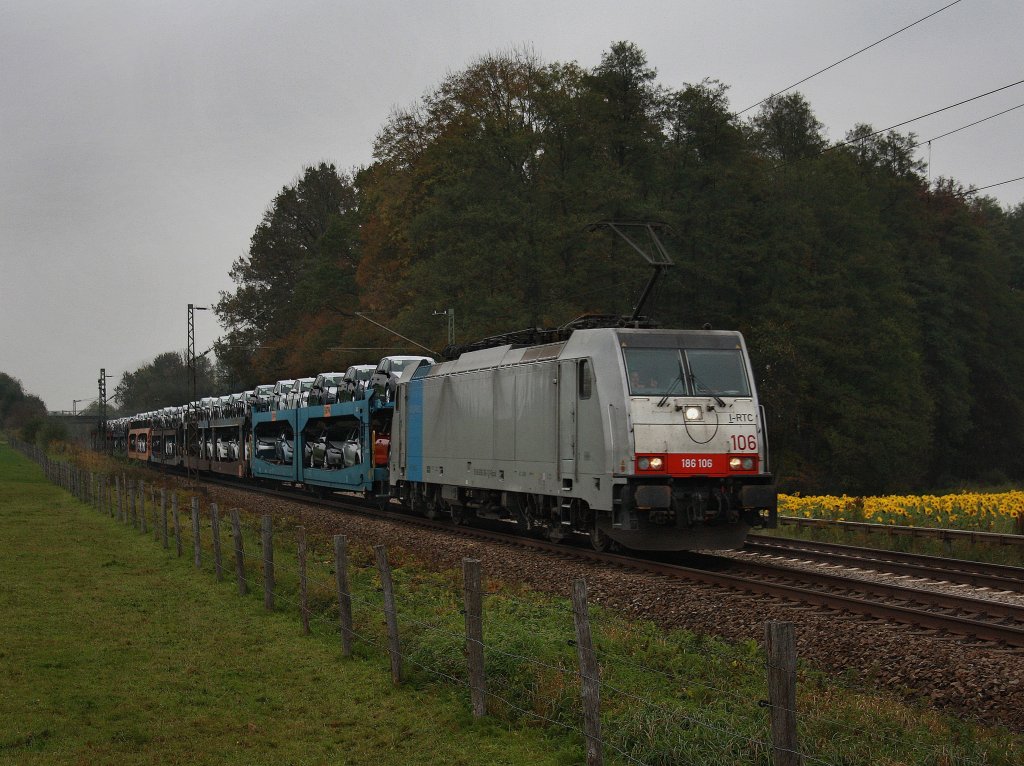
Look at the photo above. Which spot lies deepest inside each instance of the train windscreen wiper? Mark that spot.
(700, 387)
(670, 389)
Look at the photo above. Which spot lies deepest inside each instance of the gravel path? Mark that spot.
(974, 682)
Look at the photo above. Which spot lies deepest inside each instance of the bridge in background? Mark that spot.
(80, 426)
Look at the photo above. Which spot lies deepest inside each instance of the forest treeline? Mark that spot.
(883, 313)
(25, 414)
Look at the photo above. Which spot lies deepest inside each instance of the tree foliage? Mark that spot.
(296, 284)
(20, 412)
(884, 315)
(165, 382)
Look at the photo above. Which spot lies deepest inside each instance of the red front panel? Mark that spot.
(697, 464)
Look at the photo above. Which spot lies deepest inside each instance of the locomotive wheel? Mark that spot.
(430, 509)
(554, 533)
(459, 515)
(599, 541)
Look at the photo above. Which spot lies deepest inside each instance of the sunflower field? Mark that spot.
(984, 512)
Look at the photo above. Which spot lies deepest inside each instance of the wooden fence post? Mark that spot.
(268, 562)
(344, 597)
(303, 589)
(163, 516)
(117, 490)
(142, 505)
(589, 679)
(236, 533)
(124, 491)
(197, 545)
(473, 600)
(158, 514)
(177, 521)
(131, 504)
(780, 648)
(215, 529)
(390, 613)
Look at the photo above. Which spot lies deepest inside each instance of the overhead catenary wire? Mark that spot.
(847, 58)
(921, 117)
(968, 125)
(990, 186)
(859, 139)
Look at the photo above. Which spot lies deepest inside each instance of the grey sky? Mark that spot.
(141, 141)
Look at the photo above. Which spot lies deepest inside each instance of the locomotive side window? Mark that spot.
(583, 377)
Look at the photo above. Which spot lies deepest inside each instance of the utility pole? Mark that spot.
(192, 309)
(450, 313)
(101, 425)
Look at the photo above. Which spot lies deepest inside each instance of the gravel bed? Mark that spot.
(974, 682)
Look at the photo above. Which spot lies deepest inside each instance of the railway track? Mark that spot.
(941, 614)
(974, 573)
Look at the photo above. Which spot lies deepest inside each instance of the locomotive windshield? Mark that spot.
(685, 372)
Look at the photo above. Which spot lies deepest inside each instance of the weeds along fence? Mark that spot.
(629, 697)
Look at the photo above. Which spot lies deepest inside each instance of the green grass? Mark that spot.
(114, 652)
(117, 651)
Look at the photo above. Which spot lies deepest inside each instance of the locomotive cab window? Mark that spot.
(584, 382)
(685, 372)
(717, 372)
(654, 371)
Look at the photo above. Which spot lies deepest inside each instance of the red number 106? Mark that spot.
(744, 443)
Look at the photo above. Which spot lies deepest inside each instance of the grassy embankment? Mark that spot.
(112, 652)
(117, 651)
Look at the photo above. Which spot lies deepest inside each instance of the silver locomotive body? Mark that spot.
(652, 439)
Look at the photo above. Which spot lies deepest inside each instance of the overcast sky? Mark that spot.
(141, 141)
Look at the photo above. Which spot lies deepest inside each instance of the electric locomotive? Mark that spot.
(649, 439)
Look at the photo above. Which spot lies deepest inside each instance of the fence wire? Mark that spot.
(103, 497)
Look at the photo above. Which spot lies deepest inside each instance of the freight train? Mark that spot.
(639, 438)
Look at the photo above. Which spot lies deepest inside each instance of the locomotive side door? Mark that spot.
(567, 430)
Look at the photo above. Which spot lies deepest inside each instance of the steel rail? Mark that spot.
(977, 574)
(992, 538)
(888, 590)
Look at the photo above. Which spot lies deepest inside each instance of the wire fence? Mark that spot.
(643, 702)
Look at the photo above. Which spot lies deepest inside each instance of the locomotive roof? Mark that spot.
(583, 342)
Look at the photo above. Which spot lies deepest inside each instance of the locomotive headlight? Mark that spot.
(741, 464)
(693, 413)
(650, 463)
